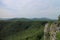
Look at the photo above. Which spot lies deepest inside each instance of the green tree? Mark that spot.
(59, 19)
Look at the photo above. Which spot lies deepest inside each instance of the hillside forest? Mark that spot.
(24, 29)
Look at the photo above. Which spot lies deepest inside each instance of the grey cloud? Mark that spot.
(31, 9)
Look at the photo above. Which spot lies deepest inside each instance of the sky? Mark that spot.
(29, 8)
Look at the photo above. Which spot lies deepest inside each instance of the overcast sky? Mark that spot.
(29, 8)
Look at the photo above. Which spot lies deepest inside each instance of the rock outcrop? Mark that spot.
(46, 32)
(53, 30)
(50, 31)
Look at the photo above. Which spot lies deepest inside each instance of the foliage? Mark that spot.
(58, 36)
(59, 17)
(21, 30)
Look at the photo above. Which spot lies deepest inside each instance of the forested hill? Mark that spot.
(21, 29)
(28, 19)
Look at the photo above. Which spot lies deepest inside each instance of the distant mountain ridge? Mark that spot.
(28, 19)
(42, 19)
(5, 18)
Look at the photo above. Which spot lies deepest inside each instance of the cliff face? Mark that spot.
(46, 32)
(53, 30)
(50, 31)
